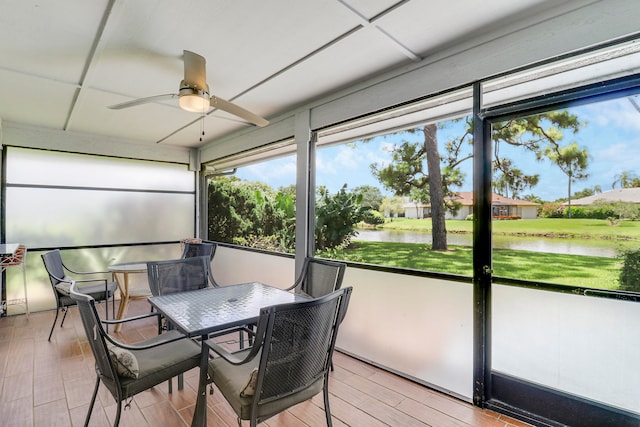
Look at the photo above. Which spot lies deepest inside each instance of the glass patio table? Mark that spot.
(205, 311)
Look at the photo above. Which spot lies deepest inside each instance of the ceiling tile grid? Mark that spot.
(63, 63)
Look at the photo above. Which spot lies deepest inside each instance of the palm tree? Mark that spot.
(572, 161)
(624, 179)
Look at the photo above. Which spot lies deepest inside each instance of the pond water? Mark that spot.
(590, 247)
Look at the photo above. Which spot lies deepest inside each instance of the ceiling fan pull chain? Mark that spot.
(202, 127)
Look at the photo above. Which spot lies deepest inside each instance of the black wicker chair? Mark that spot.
(100, 290)
(199, 249)
(202, 249)
(289, 361)
(319, 277)
(128, 369)
(178, 275)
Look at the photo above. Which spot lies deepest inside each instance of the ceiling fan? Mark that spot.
(194, 96)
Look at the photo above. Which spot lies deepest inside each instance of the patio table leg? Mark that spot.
(123, 286)
(200, 412)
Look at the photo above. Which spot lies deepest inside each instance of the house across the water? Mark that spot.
(501, 207)
(629, 195)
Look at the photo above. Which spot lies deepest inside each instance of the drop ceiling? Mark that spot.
(63, 63)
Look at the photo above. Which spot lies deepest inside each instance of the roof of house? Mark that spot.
(465, 198)
(631, 195)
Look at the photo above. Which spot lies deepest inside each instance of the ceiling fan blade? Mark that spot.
(238, 111)
(195, 70)
(197, 120)
(143, 101)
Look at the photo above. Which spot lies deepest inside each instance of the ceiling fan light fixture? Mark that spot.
(194, 100)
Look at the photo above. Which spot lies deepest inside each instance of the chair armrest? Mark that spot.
(245, 328)
(89, 272)
(62, 279)
(291, 288)
(255, 349)
(90, 280)
(300, 278)
(84, 272)
(231, 357)
(297, 283)
(130, 319)
(147, 346)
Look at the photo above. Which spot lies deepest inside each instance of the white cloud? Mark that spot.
(281, 171)
(612, 137)
(324, 163)
(615, 114)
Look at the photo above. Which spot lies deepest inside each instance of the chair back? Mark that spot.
(298, 343)
(199, 249)
(53, 264)
(178, 275)
(321, 277)
(95, 335)
(192, 249)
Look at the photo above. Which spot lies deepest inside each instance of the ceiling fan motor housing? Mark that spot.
(193, 98)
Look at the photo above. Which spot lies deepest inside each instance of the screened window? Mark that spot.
(375, 201)
(566, 200)
(564, 180)
(251, 199)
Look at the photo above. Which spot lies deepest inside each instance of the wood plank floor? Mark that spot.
(50, 384)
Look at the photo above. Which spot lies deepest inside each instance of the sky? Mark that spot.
(611, 136)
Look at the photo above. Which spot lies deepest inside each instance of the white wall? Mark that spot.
(233, 266)
(585, 346)
(529, 212)
(462, 214)
(420, 327)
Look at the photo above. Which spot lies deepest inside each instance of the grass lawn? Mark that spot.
(543, 227)
(563, 269)
(586, 271)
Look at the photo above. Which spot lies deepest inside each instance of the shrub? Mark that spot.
(506, 217)
(372, 217)
(250, 214)
(336, 217)
(600, 210)
(552, 210)
(604, 210)
(577, 212)
(270, 243)
(630, 271)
